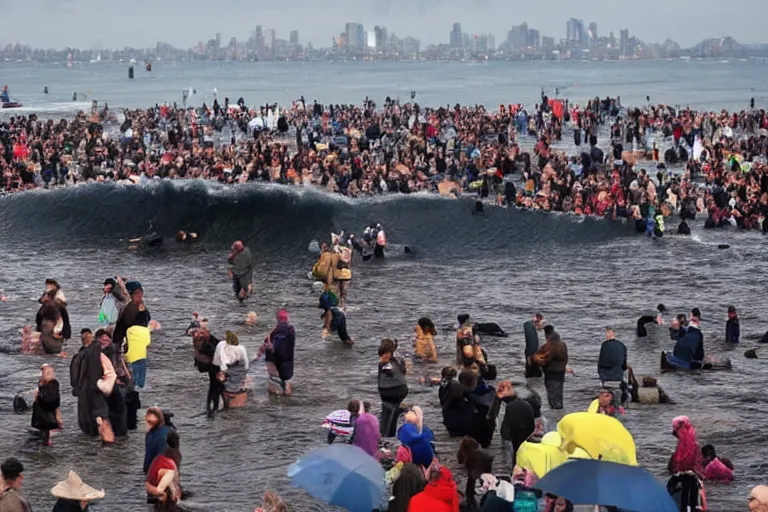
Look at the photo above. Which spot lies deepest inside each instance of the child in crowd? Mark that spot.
(342, 422)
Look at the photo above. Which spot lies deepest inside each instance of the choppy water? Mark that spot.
(581, 273)
(700, 84)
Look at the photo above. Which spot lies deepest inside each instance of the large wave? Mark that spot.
(279, 217)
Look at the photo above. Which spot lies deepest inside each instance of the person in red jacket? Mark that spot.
(440, 494)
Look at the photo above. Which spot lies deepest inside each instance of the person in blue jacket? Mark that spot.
(155, 441)
(689, 348)
(417, 437)
(732, 329)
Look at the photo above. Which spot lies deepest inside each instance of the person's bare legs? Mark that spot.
(105, 430)
(327, 323)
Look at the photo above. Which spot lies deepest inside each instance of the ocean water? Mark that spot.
(583, 274)
(700, 84)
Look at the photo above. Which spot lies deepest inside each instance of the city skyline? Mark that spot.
(141, 24)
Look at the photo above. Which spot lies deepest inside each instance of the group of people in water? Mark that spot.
(364, 150)
(397, 149)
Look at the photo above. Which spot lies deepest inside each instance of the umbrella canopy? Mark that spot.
(342, 475)
(596, 482)
(601, 436)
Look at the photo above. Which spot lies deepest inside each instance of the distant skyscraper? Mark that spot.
(593, 31)
(294, 37)
(624, 42)
(534, 38)
(381, 38)
(269, 39)
(457, 37)
(360, 35)
(574, 31)
(518, 37)
(217, 42)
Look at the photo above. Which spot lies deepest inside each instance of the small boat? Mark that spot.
(11, 104)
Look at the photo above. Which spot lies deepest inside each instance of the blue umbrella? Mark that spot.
(342, 475)
(596, 482)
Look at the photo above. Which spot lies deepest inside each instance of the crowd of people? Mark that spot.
(397, 149)
(367, 149)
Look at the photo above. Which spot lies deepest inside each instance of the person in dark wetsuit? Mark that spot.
(644, 320)
(393, 387)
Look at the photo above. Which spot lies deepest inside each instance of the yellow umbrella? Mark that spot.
(601, 436)
(543, 457)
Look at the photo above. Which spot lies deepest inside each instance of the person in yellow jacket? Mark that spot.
(138, 338)
(322, 268)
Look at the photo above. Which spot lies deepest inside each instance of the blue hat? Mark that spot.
(132, 286)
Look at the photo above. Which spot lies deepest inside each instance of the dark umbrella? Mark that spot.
(596, 482)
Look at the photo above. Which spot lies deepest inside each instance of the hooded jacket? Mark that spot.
(438, 496)
(283, 339)
(420, 443)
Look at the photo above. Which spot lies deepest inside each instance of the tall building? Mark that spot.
(370, 40)
(381, 38)
(352, 30)
(593, 31)
(624, 42)
(269, 40)
(457, 37)
(534, 38)
(294, 37)
(491, 43)
(574, 30)
(217, 43)
(518, 37)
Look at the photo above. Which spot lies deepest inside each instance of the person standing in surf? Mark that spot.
(532, 344)
(241, 270)
(113, 301)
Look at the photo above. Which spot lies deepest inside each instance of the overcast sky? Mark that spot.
(141, 23)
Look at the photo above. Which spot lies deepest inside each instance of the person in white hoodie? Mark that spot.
(232, 360)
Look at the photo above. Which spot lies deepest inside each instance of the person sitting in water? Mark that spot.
(424, 346)
(342, 422)
(647, 319)
(186, 237)
(688, 352)
(716, 468)
(468, 351)
(606, 404)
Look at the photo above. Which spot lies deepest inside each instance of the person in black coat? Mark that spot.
(47, 318)
(46, 415)
(518, 424)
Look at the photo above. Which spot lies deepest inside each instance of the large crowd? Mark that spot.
(513, 154)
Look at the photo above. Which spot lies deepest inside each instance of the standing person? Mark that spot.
(46, 414)
(155, 440)
(112, 302)
(518, 423)
(52, 322)
(11, 499)
(135, 312)
(341, 271)
(553, 359)
(92, 376)
(732, 329)
(232, 360)
(392, 387)
(278, 350)
(612, 362)
(240, 270)
(205, 348)
(118, 412)
(139, 338)
(74, 495)
(532, 344)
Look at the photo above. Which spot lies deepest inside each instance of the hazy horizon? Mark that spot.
(141, 23)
